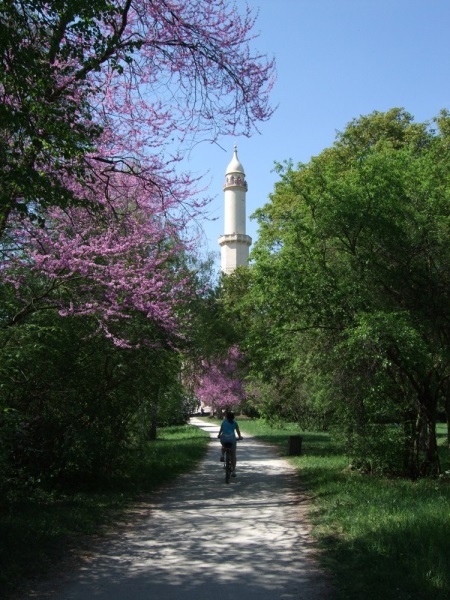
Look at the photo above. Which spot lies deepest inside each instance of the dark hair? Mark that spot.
(230, 416)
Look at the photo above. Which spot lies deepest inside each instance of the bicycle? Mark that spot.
(227, 460)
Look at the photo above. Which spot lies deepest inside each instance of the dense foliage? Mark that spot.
(346, 305)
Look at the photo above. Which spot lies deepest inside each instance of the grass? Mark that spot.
(380, 538)
(42, 532)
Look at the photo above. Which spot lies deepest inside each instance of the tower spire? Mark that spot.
(234, 242)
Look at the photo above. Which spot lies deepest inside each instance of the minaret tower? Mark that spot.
(234, 242)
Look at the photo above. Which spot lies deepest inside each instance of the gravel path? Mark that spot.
(202, 539)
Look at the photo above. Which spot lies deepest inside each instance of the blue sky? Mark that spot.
(336, 60)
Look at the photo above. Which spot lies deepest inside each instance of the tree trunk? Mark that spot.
(411, 447)
(430, 464)
(447, 417)
(153, 413)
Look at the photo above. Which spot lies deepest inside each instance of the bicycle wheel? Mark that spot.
(227, 465)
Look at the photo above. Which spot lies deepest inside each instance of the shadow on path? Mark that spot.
(202, 539)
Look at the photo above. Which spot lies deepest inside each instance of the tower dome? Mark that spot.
(235, 165)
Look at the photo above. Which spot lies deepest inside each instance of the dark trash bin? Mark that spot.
(295, 445)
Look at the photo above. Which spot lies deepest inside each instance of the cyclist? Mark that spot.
(227, 433)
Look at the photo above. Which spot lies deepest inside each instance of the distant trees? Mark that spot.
(219, 382)
(347, 302)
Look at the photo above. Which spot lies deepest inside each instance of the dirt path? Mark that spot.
(202, 539)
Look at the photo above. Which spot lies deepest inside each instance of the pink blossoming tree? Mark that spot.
(93, 86)
(221, 383)
(99, 101)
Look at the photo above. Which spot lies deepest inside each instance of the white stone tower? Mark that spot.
(234, 242)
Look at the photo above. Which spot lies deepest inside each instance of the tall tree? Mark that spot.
(354, 249)
(96, 99)
(99, 101)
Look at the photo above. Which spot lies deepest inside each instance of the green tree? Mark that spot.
(352, 275)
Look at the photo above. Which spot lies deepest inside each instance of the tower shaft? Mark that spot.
(234, 242)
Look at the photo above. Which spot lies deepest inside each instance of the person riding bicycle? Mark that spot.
(227, 434)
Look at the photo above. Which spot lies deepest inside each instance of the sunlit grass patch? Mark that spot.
(380, 538)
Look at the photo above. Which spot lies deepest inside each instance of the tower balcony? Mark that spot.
(235, 181)
(240, 238)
